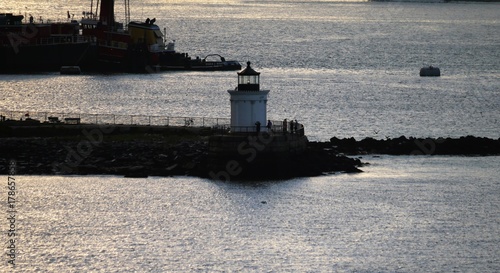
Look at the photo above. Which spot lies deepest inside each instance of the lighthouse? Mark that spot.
(250, 149)
(248, 103)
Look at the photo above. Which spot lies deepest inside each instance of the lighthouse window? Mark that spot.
(248, 80)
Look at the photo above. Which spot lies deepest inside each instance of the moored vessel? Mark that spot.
(26, 47)
(96, 43)
(430, 71)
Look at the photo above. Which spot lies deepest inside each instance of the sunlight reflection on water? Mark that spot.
(402, 214)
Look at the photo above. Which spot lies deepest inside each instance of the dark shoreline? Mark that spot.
(465, 146)
(141, 151)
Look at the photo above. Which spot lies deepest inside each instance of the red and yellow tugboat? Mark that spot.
(96, 43)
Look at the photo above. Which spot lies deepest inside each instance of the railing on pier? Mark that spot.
(219, 125)
(55, 117)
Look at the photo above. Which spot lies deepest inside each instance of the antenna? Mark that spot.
(127, 12)
(97, 8)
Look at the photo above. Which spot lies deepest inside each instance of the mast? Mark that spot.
(127, 12)
(96, 9)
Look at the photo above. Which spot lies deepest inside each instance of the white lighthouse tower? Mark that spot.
(248, 103)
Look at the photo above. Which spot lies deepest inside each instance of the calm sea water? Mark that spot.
(343, 69)
(403, 214)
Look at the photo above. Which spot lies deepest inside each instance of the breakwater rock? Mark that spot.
(272, 156)
(468, 145)
(134, 158)
(141, 151)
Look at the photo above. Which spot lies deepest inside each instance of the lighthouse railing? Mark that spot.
(276, 127)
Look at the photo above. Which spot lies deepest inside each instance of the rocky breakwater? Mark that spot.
(272, 156)
(468, 145)
(140, 151)
(129, 151)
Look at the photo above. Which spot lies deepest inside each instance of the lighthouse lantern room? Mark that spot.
(248, 103)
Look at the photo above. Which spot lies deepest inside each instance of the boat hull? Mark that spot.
(49, 57)
(180, 61)
(41, 58)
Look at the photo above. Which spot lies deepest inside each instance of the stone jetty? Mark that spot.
(141, 151)
(467, 145)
